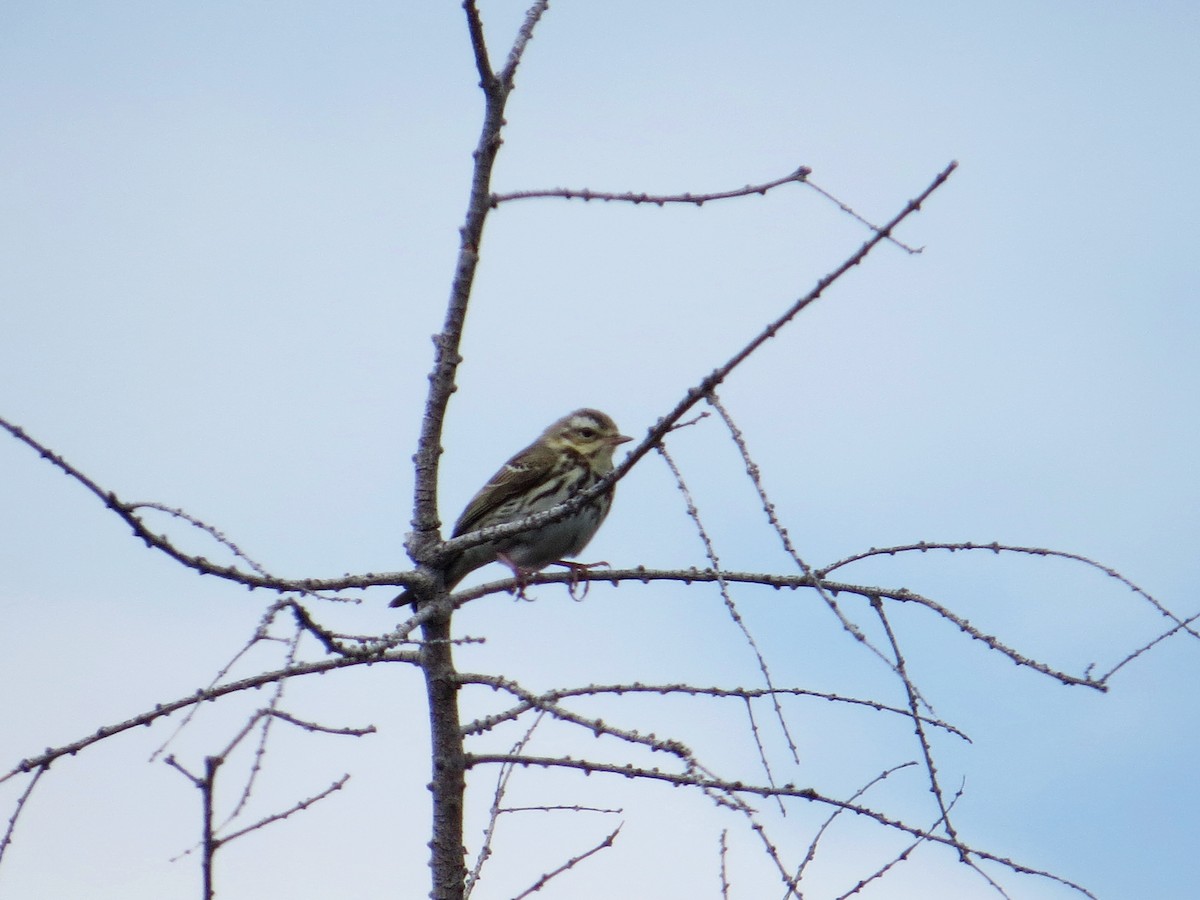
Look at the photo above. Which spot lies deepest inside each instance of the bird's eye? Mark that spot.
(587, 433)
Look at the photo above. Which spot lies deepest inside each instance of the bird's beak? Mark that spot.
(620, 439)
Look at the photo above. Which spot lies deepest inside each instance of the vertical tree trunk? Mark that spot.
(446, 859)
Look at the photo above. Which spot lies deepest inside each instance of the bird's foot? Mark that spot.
(520, 574)
(578, 569)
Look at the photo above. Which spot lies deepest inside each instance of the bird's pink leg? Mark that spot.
(520, 574)
(577, 569)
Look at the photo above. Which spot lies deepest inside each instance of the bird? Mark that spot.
(569, 457)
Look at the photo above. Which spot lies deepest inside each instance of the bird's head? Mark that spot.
(588, 432)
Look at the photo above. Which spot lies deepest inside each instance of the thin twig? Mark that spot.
(533, 15)
(914, 711)
(723, 586)
(637, 198)
(1182, 626)
(570, 864)
(262, 633)
(268, 716)
(833, 588)
(998, 548)
(739, 440)
(854, 215)
(901, 857)
(489, 831)
(723, 857)
(498, 682)
(793, 887)
(21, 801)
(796, 177)
(280, 816)
(201, 525)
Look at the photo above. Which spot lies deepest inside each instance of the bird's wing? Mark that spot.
(517, 476)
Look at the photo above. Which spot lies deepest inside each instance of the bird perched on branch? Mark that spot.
(568, 458)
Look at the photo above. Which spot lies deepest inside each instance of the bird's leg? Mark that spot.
(520, 574)
(577, 569)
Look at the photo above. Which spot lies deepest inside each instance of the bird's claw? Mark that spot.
(520, 575)
(577, 569)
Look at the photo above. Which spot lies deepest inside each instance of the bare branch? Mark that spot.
(595, 726)
(690, 576)
(261, 633)
(524, 35)
(209, 843)
(569, 864)
(562, 807)
(487, 78)
(637, 198)
(207, 784)
(215, 534)
(796, 177)
(21, 801)
(280, 816)
(1182, 626)
(914, 709)
(998, 548)
(723, 853)
(268, 716)
(498, 682)
(854, 215)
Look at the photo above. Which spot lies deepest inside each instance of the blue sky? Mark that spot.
(228, 233)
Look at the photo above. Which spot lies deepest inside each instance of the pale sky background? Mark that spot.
(228, 231)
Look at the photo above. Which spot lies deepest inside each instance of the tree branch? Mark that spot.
(796, 177)
(691, 576)
(539, 701)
